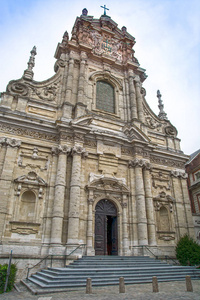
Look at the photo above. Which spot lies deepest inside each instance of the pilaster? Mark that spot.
(10, 157)
(133, 104)
(149, 206)
(139, 101)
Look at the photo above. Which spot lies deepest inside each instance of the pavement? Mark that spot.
(174, 290)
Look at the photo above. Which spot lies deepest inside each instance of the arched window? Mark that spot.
(27, 207)
(105, 97)
(164, 219)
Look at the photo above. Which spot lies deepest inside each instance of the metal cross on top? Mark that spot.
(104, 7)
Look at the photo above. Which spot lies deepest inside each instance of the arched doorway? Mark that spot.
(106, 237)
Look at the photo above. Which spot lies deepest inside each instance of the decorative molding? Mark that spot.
(90, 143)
(61, 149)
(35, 134)
(166, 162)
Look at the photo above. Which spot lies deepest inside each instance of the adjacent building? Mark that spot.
(193, 170)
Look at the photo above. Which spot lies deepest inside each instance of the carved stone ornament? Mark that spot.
(107, 186)
(47, 93)
(13, 143)
(80, 151)
(166, 162)
(171, 131)
(179, 174)
(139, 163)
(159, 180)
(163, 200)
(18, 88)
(28, 132)
(24, 228)
(34, 160)
(31, 178)
(2, 141)
(165, 237)
(61, 149)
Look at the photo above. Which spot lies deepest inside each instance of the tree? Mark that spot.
(188, 251)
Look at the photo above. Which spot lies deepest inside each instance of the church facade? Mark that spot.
(84, 160)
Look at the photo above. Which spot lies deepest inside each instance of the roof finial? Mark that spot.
(104, 7)
(162, 115)
(28, 73)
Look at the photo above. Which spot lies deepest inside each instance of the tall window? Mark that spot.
(105, 99)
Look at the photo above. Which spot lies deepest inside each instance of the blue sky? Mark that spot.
(167, 34)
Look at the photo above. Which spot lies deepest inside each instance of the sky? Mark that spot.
(167, 34)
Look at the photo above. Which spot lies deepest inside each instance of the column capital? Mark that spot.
(78, 150)
(179, 174)
(90, 201)
(2, 141)
(124, 204)
(13, 143)
(139, 163)
(61, 149)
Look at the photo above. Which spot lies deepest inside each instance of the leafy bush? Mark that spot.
(11, 280)
(188, 251)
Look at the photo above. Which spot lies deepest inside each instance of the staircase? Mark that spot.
(106, 270)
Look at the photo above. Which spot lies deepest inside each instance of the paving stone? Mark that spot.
(175, 290)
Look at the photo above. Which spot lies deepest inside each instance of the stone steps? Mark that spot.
(107, 270)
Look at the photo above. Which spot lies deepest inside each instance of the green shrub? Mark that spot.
(188, 251)
(11, 280)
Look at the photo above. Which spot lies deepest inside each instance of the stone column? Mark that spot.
(124, 225)
(139, 101)
(149, 206)
(70, 80)
(7, 178)
(134, 210)
(75, 188)
(81, 77)
(90, 249)
(133, 104)
(59, 199)
(127, 111)
(140, 202)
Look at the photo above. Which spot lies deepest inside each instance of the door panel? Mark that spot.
(106, 237)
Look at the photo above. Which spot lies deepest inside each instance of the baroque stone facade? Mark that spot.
(84, 160)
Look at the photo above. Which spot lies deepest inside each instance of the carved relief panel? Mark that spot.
(164, 209)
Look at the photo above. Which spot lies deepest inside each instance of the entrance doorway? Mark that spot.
(106, 237)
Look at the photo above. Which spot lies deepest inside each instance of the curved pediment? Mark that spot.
(108, 184)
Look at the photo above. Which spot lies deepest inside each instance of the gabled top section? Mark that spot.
(100, 37)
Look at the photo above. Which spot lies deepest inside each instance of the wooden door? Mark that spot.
(106, 237)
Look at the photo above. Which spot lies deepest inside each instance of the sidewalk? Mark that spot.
(175, 290)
